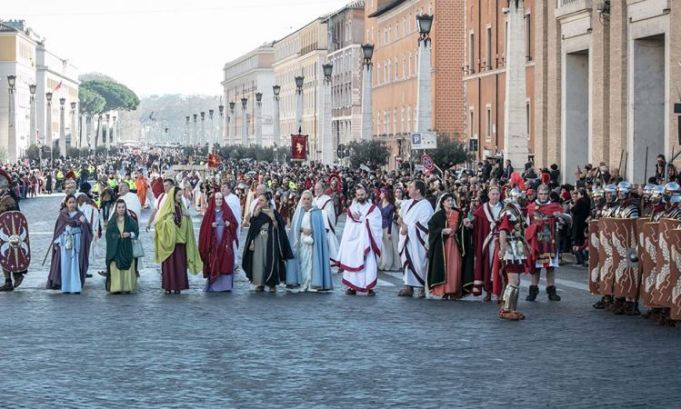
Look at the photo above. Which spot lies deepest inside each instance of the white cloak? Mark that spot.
(325, 204)
(412, 246)
(360, 247)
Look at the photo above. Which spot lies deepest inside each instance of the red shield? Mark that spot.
(662, 292)
(15, 247)
(648, 238)
(623, 243)
(594, 266)
(605, 257)
(676, 273)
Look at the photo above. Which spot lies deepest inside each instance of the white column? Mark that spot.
(62, 128)
(12, 128)
(202, 136)
(424, 92)
(33, 138)
(82, 129)
(367, 110)
(221, 126)
(211, 131)
(515, 120)
(244, 122)
(47, 138)
(231, 138)
(100, 131)
(74, 127)
(114, 131)
(192, 139)
(276, 126)
(328, 150)
(258, 118)
(108, 132)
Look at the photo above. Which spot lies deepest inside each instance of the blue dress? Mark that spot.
(69, 247)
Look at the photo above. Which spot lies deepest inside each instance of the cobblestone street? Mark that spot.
(247, 349)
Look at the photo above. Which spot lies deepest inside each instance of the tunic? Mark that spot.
(122, 281)
(174, 268)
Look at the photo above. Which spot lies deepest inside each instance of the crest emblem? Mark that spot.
(15, 247)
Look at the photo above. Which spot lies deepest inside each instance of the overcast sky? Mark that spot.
(168, 46)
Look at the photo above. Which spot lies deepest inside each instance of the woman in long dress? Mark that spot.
(216, 244)
(444, 254)
(175, 246)
(390, 257)
(310, 269)
(266, 248)
(70, 254)
(120, 263)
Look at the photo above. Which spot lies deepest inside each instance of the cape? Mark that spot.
(278, 248)
(167, 234)
(119, 249)
(321, 269)
(217, 257)
(436, 246)
(54, 277)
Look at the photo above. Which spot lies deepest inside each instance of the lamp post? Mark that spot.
(367, 109)
(211, 131)
(74, 142)
(276, 132)
(34, 133)
(202, 136)
(62, 128)
(231, 137)
(221, 125)
(328, 151)
(258, 118)
(300, 81)
(12, 135)
(192, 140)
(244, 123)
(424, 107)
(108, 132)
(186, 129)
(114, 130)
(48, 128)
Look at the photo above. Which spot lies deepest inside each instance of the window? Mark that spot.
(528, 36)
(471, 47)
(528, 112)
(397, 69)
(404, 68)
(471, 128)
(489, 48)
(489, 122)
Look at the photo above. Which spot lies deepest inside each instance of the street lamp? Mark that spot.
(425, 23)
(367, 110)
(62, 128)
(328, 70)
(276, 133)
(12, 129)
(210, 134)
(300, 80)
(367, 53)
(231, 132)
(326, 143)
(73, 125)
(244, 124)
(32, 89)
(258, 118)
(424, 92)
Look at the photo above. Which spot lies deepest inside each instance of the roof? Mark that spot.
(386, 8)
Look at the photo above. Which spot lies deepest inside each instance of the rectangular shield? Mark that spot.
(605, 258)
(594, 266)
(623, 244)
(662, 292)
(675, 269)
(649, 237)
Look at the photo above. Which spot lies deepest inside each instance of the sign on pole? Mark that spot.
(427, 162)
(423, 140)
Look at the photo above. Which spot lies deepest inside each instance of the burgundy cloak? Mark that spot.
(217, 257)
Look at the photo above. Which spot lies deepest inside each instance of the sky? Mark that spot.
(162, 47)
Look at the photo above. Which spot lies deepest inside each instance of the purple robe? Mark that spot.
(54, 277)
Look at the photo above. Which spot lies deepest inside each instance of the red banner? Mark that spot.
(299, 147)
(213, 160)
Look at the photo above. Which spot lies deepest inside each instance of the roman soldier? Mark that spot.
(513, 255)
(543, 216)
(15, 254)
(654, 201)
(671, 198)
(486, 243)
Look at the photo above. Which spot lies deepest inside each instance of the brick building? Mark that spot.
(485, 76)
(609, 73)
(391, 27)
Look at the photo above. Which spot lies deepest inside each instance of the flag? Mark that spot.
(58, 86)
(213, 160)
(299, 147)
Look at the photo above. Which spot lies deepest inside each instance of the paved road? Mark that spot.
(311, 350)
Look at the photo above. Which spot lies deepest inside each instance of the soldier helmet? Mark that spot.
(597, 193)
(610, 189)
(624, 187)
(657, 192)
(672, 187)
(648, 189)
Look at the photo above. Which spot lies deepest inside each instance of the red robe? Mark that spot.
(541, 219)
(485, 239)
(218, 257)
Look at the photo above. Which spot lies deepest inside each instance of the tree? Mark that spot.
(370, 153)
(90, 101)
(73, 153)
(116, 96)
(33, 152)
(449, 152)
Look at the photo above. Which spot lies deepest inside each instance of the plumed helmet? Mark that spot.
(624, 187)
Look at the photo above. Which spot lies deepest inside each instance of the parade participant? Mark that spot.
(87, 206)
(416, 212)
(266, 248)
(70, 187)
(325, 203)
(234, 203)
(71, 249)
(542, 236)
(486, 242)
(9, 203)
(168, 184)
(120, 263)
(672, 200)
(132, 202)
(360, 245)
(444, 250)
(174, 244)
(390, 256)
(142, 186)
(310, 269)
(513, 254)
(217, 237)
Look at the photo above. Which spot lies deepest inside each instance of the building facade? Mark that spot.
(302, 53)
(609, 74)
(245, 77)
(484, 77)
(391, 26)
(23, 53)
(346, 35)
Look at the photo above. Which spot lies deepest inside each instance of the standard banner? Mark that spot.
(594, 248)
(662, 292)
(648, 238)
(299, 147)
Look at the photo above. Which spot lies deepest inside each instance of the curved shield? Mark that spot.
(676, 273)
(648, 242)
(662, 292)
(594, 266)
(15, 247)
(623, 245)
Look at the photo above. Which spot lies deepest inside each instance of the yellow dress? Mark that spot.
(122, 281)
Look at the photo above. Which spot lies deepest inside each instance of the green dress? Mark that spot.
(122, 277)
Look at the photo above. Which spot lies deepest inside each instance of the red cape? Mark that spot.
(536, 225)
(217, 257)
(482, 271)
(157, 187)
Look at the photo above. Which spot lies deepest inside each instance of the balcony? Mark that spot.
(571, 7)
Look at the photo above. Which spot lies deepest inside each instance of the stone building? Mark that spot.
(244, 77)
(392, 27)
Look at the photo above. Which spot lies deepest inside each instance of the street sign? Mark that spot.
(423, 140)
(427, 162)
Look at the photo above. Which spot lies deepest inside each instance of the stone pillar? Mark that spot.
(424, 92)
(244, 122)
(75, 142)
(258, 118)
(192, 138)
(62, 127)
(276, 126)
(108, 132)
(231, 138)
(367, 111)
(12, 130)
(515, 120)
(33, 138)
(328, 150)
